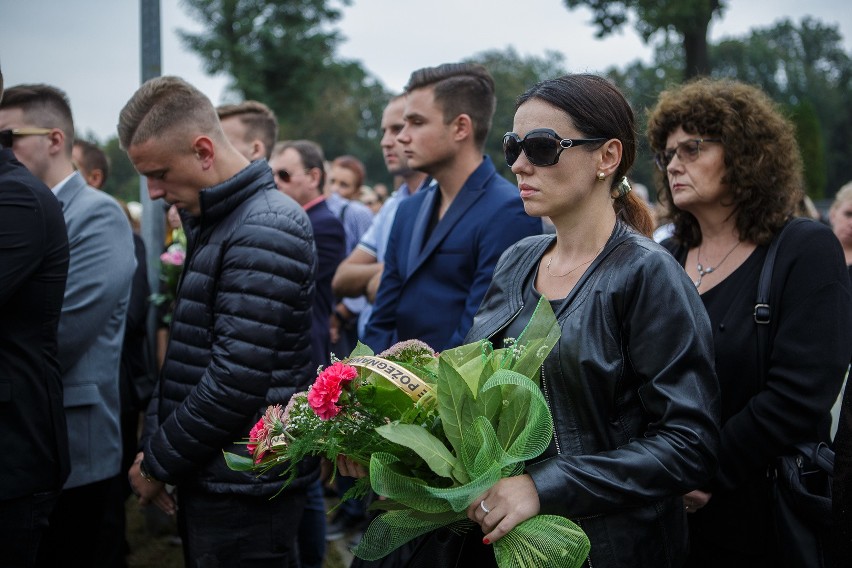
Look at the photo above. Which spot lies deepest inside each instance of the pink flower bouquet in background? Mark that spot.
(171, 267)
(435, 432)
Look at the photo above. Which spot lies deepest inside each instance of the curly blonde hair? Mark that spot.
(762, 160)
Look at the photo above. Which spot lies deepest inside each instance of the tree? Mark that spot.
(123, 181)
(282, 53)
(807, 70)
(513, 75)
(686, 20)
(275, 51)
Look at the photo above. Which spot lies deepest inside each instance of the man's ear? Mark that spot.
(462, 126)
(258, 150)
(56, 141)
(205, 151)
(95, 178)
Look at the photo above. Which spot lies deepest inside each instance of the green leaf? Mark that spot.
(361, 350)
(238, 463)
(543, 540)
(418, 439)
(454, 404)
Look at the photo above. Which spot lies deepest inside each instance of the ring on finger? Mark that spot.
(483, 507)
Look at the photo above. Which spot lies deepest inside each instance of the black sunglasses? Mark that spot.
(8, 136)
(285, 176)
(542, 146)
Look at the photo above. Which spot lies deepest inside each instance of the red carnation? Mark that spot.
(325, 392)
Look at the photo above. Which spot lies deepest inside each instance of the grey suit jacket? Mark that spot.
(91, 328)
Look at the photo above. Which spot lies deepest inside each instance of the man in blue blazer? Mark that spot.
(446, 240)
(91, 326)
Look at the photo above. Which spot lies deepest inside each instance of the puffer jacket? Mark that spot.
(240, 334)
(633, 393)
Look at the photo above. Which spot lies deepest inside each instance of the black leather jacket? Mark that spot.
(633, 394)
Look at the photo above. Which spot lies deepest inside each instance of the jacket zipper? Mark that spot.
(550, 407)
(510, 320)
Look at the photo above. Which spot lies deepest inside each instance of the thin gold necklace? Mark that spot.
(573, 269)
(703, 271)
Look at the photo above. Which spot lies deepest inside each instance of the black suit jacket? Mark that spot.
(330, 241)
(33, 268)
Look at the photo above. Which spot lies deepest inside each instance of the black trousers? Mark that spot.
(72, 537)
(228, 530)
(22, 525)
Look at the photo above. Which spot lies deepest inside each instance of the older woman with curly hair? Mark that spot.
(732, 176)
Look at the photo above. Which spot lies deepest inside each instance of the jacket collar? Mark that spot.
(472, 190)
(218, 201)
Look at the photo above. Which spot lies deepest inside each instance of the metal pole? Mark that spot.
(153, 219)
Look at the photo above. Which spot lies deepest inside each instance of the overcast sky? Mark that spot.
(90, 48)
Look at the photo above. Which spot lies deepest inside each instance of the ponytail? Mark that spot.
(632, 209)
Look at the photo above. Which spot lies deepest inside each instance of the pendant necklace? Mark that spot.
(575, 268)
(703, 271)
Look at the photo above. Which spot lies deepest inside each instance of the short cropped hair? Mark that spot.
(843, 195)
(310, 152)
(762, 161)
(164, 105)
(354, 165)
(460, 88)
(43, 106)
(92, 157)
(259, 120)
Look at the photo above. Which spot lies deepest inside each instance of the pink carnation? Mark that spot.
(256, 436)
(325, 392)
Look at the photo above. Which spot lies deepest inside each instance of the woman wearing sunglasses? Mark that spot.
(630, 384)
(731, 175)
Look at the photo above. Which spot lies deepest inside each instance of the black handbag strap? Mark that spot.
(762, 307)
(820, 453)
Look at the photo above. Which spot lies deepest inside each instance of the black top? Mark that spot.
(810, 347)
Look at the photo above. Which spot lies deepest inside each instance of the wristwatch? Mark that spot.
(144, 471)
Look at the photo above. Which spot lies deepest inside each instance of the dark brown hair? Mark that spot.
(259, 120)
(599, 110)
(460, 88)
(354, 165)
(43, 106)
(92, 158)
(762, 160)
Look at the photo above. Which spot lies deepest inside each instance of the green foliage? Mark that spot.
(282, 53)
(122, 181)
(804, 68)
(686, 21)
(513, 74)
(811, 146)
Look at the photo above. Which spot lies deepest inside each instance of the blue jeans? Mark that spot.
(22, 523)
(225, 530)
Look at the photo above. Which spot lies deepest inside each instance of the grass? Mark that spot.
(160, 548)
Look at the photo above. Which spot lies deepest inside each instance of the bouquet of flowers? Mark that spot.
(171, 266)
(436, 431)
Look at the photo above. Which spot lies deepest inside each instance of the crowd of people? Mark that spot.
(668, 405)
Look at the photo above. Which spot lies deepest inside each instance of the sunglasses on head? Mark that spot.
(8, 136)
(541, 146)
(687, 151)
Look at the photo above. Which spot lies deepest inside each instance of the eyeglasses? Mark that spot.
(284, 175)
(687, 151)
(8, 136)
(542, 146)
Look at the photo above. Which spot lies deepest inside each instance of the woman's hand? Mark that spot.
(510, 502)
(694, 500)
(351, 468)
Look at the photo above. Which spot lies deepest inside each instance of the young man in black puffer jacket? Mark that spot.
(240, 334)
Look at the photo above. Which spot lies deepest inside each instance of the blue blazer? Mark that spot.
(431, 287)
(91, 328)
